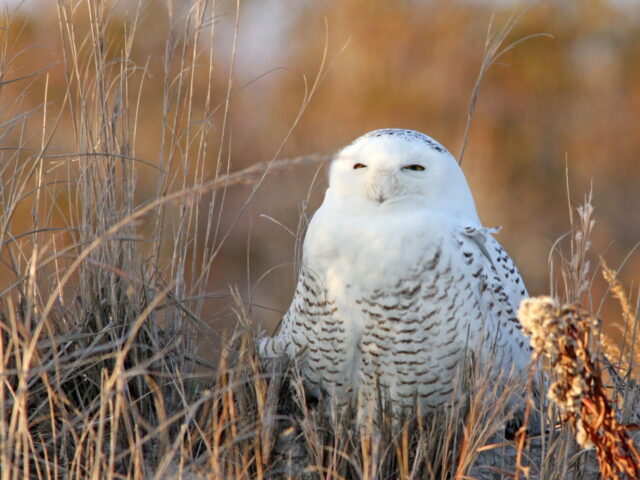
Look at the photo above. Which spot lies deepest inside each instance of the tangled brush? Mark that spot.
(560, 335)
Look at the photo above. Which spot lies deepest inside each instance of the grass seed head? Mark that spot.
(560, 335)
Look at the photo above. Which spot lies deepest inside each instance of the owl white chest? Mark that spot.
(368, 252)
(370, 280)
(358, 255)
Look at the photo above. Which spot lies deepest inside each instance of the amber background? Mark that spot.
(571, 101)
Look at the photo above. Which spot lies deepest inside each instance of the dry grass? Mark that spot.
(98, 373)
(561, 335)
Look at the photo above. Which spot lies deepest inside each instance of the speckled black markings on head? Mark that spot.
(404, 134)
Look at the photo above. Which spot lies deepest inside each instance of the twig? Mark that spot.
(492, 53)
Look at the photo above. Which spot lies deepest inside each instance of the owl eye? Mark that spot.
(415, 168)
(359, 165)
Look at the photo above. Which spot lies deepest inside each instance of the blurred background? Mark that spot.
(565, 103)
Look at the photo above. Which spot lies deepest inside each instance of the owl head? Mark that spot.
(391, 168)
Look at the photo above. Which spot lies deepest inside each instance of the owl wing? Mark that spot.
(311, 331)
(501, 291)
(308, 319)
(281, 343)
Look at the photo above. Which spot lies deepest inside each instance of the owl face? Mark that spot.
(388, 168)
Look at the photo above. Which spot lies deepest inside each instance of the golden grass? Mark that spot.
(625, 354)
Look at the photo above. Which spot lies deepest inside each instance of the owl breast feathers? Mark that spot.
(399, 282)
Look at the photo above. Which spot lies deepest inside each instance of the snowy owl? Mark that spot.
(399, 281)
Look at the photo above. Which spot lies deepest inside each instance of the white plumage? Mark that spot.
(399, 280)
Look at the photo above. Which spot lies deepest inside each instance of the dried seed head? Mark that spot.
(560, 335)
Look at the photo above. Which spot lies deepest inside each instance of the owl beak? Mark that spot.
(376, 194)
(379, 190)
(382, 185)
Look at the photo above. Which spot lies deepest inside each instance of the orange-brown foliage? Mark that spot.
(573, 99)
